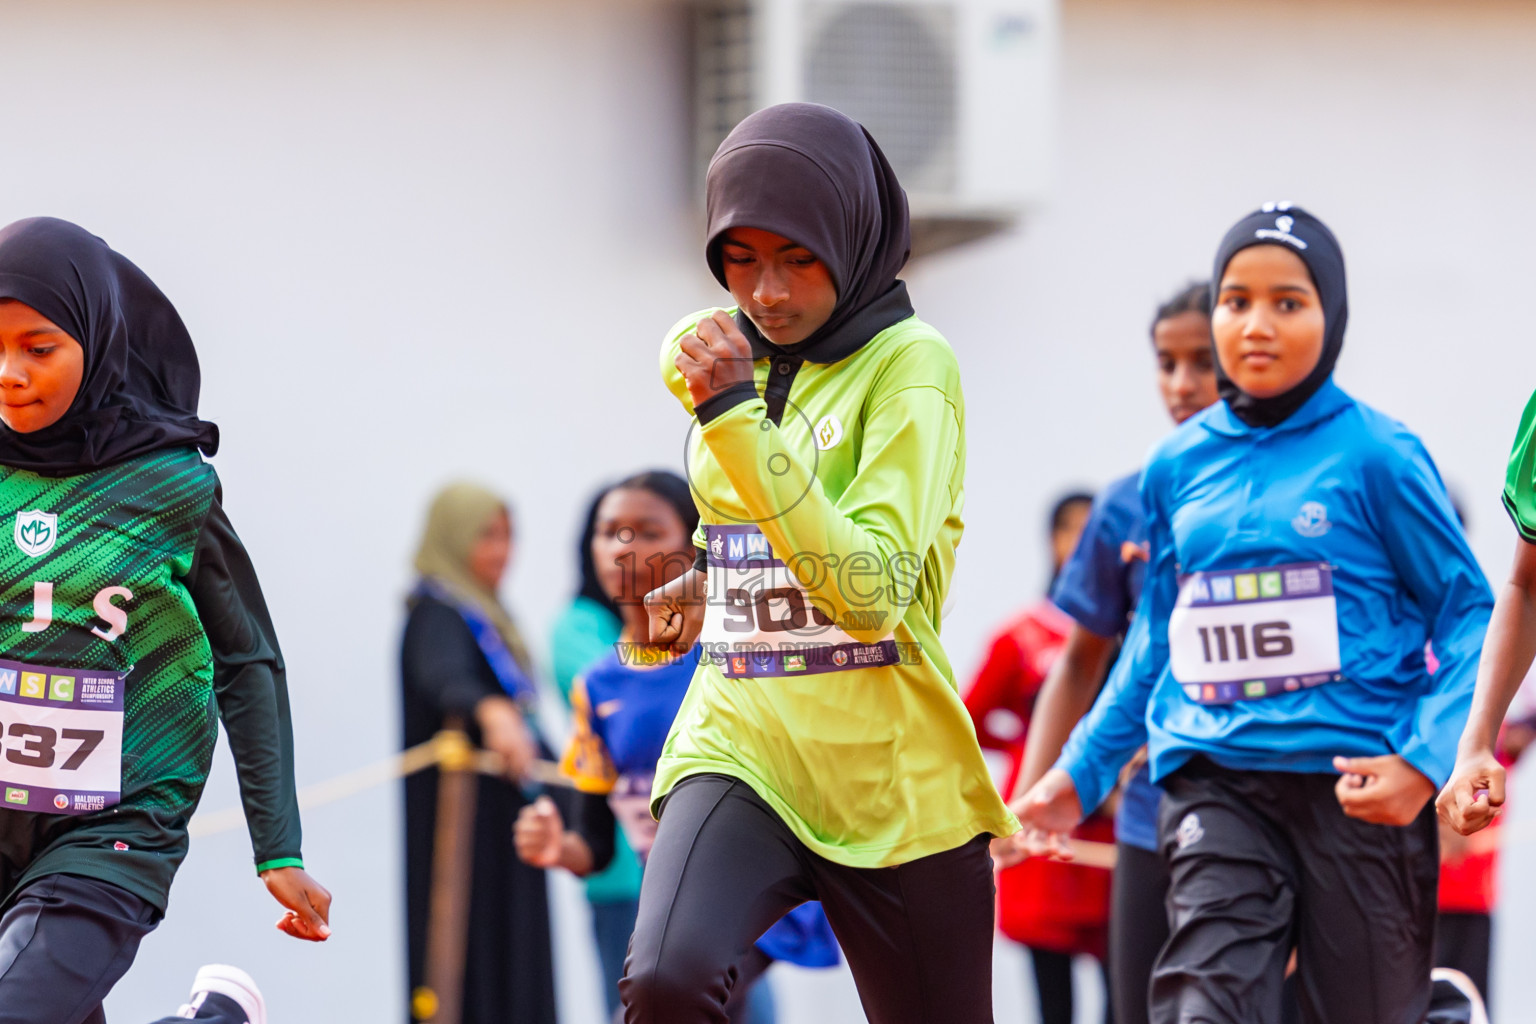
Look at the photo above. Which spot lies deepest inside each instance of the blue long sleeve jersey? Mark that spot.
(1296, 574)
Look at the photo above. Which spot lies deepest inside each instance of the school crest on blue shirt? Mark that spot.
(1312, 520)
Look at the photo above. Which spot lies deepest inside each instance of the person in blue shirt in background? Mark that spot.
(624, 704)
(1099, 587)
(1302, 551)
(584, 633)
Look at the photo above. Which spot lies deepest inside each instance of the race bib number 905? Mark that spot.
(61, 739)
(759, 621)
(1246, 634)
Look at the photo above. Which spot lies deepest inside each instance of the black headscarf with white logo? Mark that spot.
(1292, 228)
(816, 176)
(138, 393)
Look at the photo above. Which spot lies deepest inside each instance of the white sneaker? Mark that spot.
(230, 982)
(1477, 1013)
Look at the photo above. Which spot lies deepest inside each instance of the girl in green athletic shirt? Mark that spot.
(822, 751)
(1475, 792)
(131, 622)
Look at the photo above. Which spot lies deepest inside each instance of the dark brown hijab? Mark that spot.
(815, 176)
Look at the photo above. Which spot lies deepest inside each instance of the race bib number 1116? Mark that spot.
(1247, 634)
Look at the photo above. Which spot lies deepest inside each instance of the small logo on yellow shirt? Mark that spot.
(828, 432)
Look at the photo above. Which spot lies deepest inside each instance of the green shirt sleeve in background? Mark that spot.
(1520, 483)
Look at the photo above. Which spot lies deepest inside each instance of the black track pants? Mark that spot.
(1263, 861)
(918, 937)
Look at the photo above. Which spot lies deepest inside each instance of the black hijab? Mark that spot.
(591, 583)
(815, 176)
(139, 390)
(1293, 228)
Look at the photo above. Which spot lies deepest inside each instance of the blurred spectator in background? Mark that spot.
(1055, 909)
(463, 661)
(586, 632)
(624, 704)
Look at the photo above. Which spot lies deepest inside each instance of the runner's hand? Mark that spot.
(1049, 811)
(308, 903)
(1384, 790)
(539, 833)
(676, 611)
(503, 731)
(713, 356)
(1475, 794)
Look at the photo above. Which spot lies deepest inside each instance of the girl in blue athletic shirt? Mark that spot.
(1302, 552)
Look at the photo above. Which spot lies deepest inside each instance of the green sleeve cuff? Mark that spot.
(1526, 530)
(280, 862)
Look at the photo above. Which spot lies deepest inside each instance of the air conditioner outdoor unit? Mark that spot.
(960, 94)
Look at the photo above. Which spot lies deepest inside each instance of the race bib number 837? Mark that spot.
(61, 739)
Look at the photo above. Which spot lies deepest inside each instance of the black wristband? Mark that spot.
(724, 401)
(701, 560)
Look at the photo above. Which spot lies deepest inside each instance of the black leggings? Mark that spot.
(1053, 984)
(1465, 942)
(64, 942)
(918, 937)
(1138, 927)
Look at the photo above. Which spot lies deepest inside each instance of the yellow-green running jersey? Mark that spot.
(1520, 484)
(830, 502)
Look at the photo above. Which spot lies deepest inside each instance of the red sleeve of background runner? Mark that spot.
(999, 685)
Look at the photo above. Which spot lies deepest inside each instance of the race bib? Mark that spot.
(759, 621)
(630, 802)
(1247, 634)
(61, 739)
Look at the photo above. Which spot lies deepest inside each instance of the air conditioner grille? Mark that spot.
(723, 36)
(892, 68)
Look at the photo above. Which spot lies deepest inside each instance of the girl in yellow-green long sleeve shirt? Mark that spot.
(822, 751)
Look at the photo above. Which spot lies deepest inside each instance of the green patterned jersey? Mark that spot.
(112, 578)
(1520, 482)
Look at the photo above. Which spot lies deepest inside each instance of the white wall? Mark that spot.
(415, 241)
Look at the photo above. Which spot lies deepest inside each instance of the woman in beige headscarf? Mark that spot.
(462, 658)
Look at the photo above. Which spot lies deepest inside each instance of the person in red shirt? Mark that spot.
(1057, 910)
